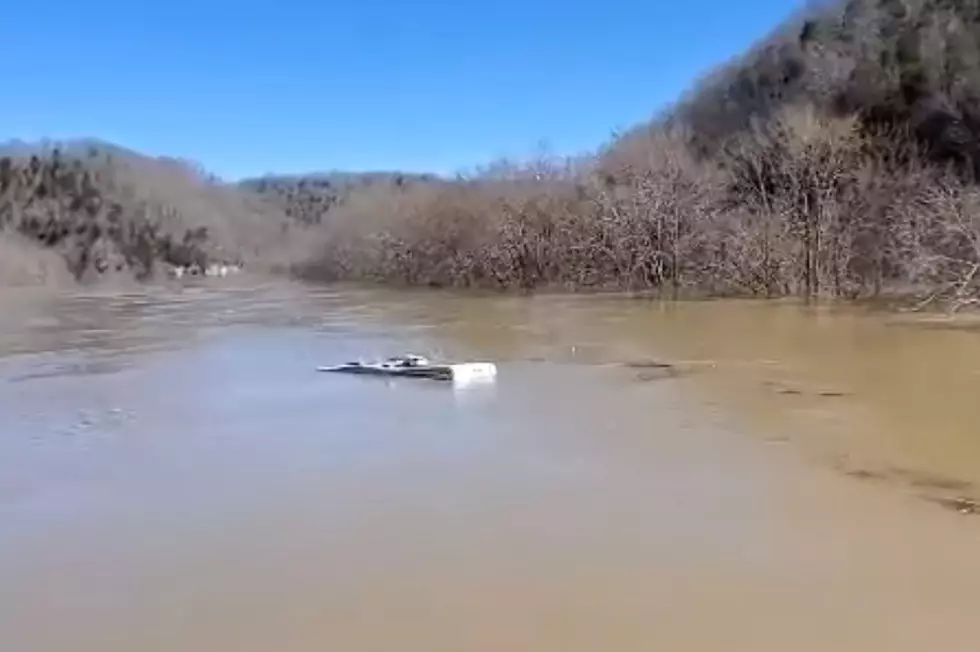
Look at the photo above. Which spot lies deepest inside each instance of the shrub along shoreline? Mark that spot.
(807, 205)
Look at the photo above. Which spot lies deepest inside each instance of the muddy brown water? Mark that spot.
(175, 476)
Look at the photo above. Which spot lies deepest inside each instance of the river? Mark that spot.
(174, 475)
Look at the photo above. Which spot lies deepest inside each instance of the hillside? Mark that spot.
(907, 65)
(108, 211)
(839, 156)
(308, 198)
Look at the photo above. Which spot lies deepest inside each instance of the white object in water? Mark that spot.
(473, 372)
(416, 366)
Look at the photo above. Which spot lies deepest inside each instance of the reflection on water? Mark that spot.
(175, 475)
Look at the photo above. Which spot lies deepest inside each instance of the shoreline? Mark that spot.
(894, 304)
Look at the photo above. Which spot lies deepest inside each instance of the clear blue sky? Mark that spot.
(297, 85)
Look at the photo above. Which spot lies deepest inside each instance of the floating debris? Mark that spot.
(659, 369)
(416, 366)
(932, 485)
(866, 474)
(786, 389)
(961, 504)
(649, 364)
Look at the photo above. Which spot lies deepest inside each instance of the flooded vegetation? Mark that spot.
(175, 475)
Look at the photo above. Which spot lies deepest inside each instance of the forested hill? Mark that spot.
(106, 210)
(900, 65)
(309, 197)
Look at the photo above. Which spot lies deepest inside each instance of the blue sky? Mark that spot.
(288, 86)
